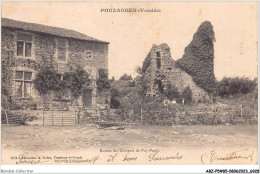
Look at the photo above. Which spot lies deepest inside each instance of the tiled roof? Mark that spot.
(62, 32)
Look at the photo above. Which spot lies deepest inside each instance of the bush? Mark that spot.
(154, 113)
(172, 92)
(187, 95)
(30, 118)
(23, 104)
(6, 100)
(103, 83)
(233, 86)
(114, 101)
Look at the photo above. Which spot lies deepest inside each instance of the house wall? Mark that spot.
(44, 47)
(170, 74)
(78, 50)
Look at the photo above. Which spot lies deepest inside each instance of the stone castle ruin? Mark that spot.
(160, 69)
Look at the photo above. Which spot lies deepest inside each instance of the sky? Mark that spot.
(131, 35)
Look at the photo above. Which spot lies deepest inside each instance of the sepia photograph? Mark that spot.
(129, 83)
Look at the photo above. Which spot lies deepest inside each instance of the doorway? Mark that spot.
(87, 98)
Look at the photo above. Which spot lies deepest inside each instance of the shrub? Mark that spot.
(6, 100)
(172, 92)
(141, 85)
(232, 86)
(103, 83)
(23, 104)
(187, 95)
(30, 118)
(114, 101)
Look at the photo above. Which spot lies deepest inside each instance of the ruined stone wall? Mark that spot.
(168, 73)
(90, 55)
(181, 80)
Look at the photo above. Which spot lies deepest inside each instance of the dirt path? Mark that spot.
(86, 136)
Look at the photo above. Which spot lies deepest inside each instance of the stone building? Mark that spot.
(161, 69)
(24, 45)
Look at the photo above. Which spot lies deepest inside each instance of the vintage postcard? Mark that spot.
(129, 82)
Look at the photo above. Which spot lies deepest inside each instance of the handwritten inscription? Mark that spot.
(111, 158)
(127, 156)
(25, 159)
(80, 160)
(156, 157)
(240, 154)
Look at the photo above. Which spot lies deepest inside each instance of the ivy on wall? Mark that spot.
(48, 79)
(103, 83)
(147, 62)
(75, 80)
(198, 58)
(6, 76)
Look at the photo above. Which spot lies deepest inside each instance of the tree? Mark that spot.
(125, 77)
(113, 79)
(223, 87)
(248, 85)
(141, 83)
